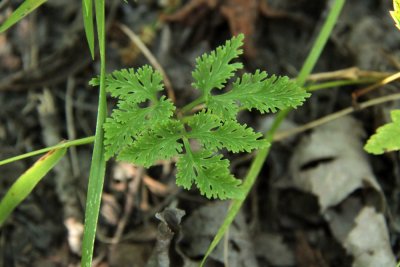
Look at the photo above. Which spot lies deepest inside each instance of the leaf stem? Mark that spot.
(193, 104)
(336, 115)
(320, 42)
(338, 83)
(186, 144)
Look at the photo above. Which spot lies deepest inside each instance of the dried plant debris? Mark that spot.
(307, 256)
(369, 241)
(271, 248)
(129, 254)
(331, 164)
(363, 232)
(169, 226)
(200, 228)
(367, 38)
(241, 15)
(65, 181)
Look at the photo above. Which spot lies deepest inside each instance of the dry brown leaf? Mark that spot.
(369, 240)
(200, 228)
(331, 163)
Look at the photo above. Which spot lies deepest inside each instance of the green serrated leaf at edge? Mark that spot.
(396, 13)
(210, 173)
(387, 137)
(87, 12)
(23, 10)
(24, 185)
(159, 143)
(213, 70)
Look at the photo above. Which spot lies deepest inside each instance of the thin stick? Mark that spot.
(352, 73)
(133, 188)
(284, 134)
(71, 131)
(368, 89)
(150, 57)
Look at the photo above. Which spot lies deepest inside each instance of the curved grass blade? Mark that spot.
(24, 9)
(24, 185)
(65, 144)
(98, 166)
(262, 154)
(87, 10)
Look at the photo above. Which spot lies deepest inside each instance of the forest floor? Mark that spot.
(320, 201)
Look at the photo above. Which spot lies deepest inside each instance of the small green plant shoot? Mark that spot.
(147, 127)
(387, 137)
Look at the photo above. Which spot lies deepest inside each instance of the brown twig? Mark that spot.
(133, 188)
(352, 73)
(380, 100)
(71, 131)
(150, 57)
(374, 86)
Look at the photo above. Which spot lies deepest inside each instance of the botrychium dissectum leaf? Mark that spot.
(130, 120)
(210, 173)
(214, 70)
(258, 91)
(135, 87)
(144, 127)
(159, 143)
(387, 137)
(216, 134)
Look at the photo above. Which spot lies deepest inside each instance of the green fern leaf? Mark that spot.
(210, 173)
(263, 93)
(135, 87)
(129, 121)
(387, 137)
(159, 143)
(216, 134)
(213, 70)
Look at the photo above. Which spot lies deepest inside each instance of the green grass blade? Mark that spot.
(262, 154)
(24, 185)
(87, 10)
(97, 169)
(24, 9)
(320, 42)
(65, 144)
